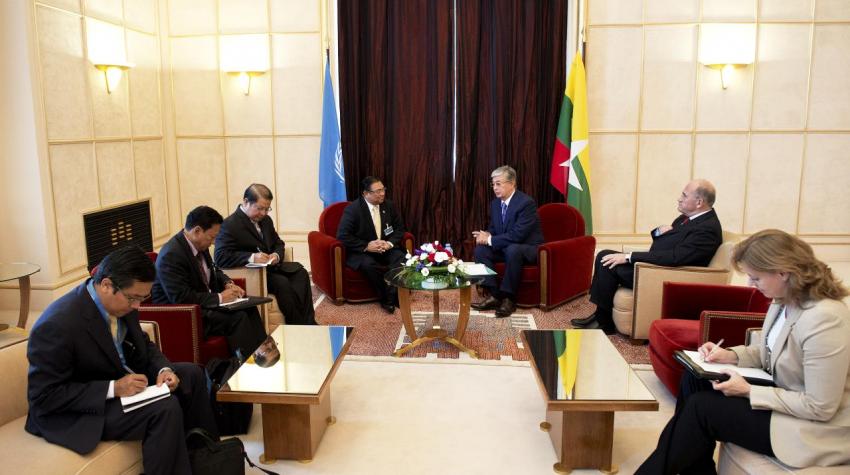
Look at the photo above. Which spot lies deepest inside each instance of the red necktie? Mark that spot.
(201, 265)
(685, 221)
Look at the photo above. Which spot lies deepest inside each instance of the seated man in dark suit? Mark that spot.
(371, 231)
(248, 236)
(185, 274)
(87, 350)
(691, 240)
(512, 237)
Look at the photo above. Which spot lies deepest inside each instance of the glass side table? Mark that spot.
(21, 271)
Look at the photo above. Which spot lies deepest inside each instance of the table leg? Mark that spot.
(24, 287)
(406, 315)
(463, 312)
(582, 440)
(293, 431)
(436, 304)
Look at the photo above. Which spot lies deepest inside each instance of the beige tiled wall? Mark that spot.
(776, 142)
(103, 149)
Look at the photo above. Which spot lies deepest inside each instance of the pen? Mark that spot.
(127, 369)
(716, 346)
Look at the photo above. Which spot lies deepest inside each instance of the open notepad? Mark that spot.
(693, 362)
(234, 302)
(257, 264)
(476, 269)
(150, 394)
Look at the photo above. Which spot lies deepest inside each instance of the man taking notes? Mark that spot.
(691, 240)
(185, 274)
(249, 236)
(512, 237)
(87, 350)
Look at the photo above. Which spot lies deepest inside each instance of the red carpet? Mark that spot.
(493, 338)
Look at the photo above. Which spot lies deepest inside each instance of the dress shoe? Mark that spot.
(594, 325)
(583, 322)
(388, 307)
(490, 303)
(506, 309)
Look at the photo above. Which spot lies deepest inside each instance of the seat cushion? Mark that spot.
(735, 460)
(31, 454)
(622, 312)
(528, 294)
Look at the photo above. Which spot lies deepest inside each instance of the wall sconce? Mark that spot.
(112, 74)
(243, 78)
(724, 47)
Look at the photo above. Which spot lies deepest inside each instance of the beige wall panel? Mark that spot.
(773, 188)
(297, 83)
(724, 109)
(249, 161)
(671, 11)
(243, 16)
(74, 183)
(664, 168)
(115, 172)
(729, 10)
(143, 50)
(197, 92)
(202, 173)
(150, 182)
(192, 17)
(615, 75)
(829, 106)
(782, 77)
(824, 199)
(295, 15)
(141, 15)
(668, 77)
(832, 10)
(785, 9)
(111, 110)
(612, 188)
(70, 5)
(251, 114)
(297, 168)
(602, 12)
(722, 159)
(63, 70)
(109, 10)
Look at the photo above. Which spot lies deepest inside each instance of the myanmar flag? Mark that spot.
(570, 171)
(567, 347)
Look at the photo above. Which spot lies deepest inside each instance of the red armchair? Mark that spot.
(327, 260)
(564, 260)
(181, 329)
(692, 314)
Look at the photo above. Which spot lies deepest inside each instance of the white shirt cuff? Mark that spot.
(490, 241)
(110, 393)
(251, 258)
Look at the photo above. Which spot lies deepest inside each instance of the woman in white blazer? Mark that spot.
(805, 344)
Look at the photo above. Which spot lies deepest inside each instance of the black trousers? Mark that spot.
(514, 256)
(703, 417)
(244, 329)
(293, 294)
(374, 265)
(161, 426)
(604, 285)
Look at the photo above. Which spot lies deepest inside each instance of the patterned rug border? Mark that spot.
(433, 359)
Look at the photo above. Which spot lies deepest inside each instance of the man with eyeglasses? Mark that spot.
(185, 274)
(371, 231)
(249, 236)
(88, 350)
(512, 237)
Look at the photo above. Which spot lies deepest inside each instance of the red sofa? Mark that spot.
(564, 260)
(692, 314)
(327, 261)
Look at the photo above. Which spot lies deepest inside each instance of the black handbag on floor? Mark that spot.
(231, 418)
(217, 457)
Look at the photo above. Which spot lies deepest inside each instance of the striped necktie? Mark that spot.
(504, 211)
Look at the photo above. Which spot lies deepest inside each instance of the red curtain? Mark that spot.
(396, 101)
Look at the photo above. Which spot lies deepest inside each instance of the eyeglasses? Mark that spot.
(133, 299)
(267, 209)
(379, 191)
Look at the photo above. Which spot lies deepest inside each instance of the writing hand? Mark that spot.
(169, 378)
(130, 384)
(274, 258)
(712, 353)
(613, 260)
(261, 257)
(736, 385)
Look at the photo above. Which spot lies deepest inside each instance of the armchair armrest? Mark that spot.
(152, 329)
(178, 325)
(731, 326)
(327, 255)
(686, 300)
(648, 287)
(569, 263)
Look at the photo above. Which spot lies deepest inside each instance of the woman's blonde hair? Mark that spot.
(776, 251)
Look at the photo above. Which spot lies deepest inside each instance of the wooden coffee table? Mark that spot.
(294, 391)
(583, 389)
